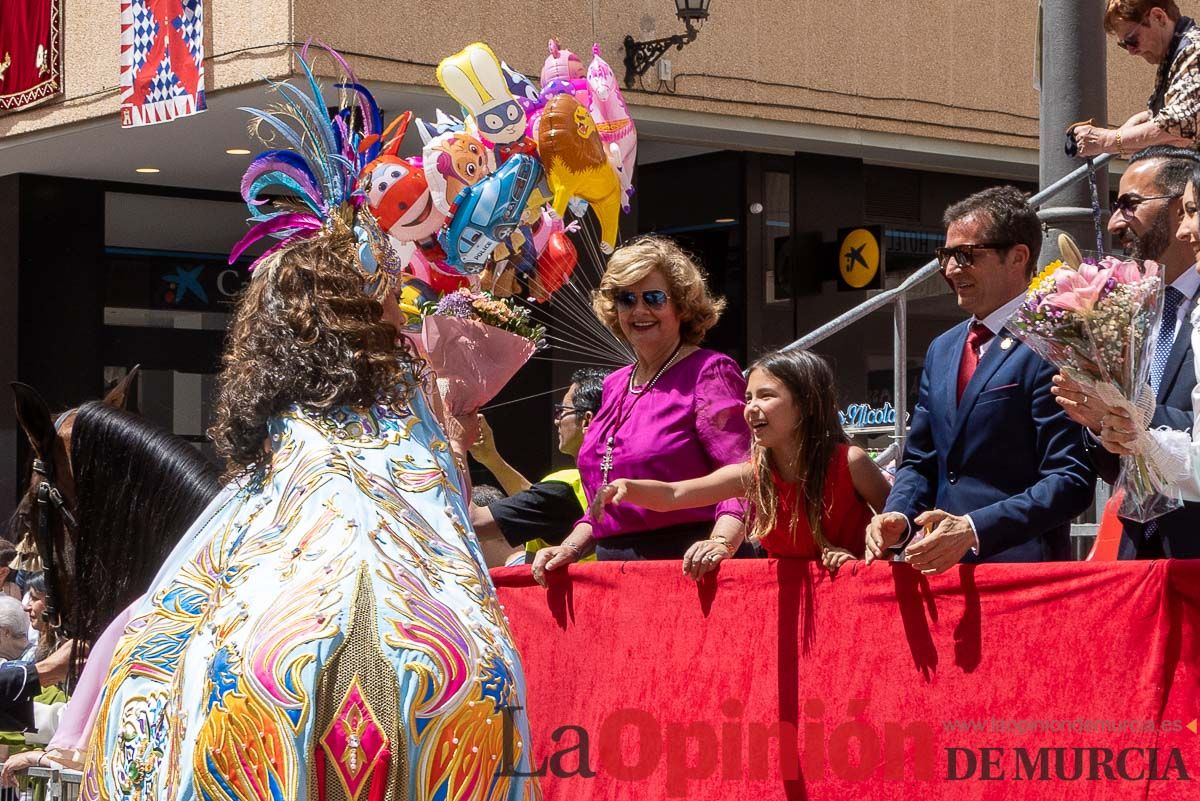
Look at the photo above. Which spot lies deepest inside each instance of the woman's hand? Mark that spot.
(833, 558)
(1091, 140)
(704, 557)
(16, 763)
(553, 558)
(1118, 432)
(612, 493)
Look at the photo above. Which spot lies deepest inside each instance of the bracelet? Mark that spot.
(40, 758)
(573, 547)
(724, 543)
(1120, 147)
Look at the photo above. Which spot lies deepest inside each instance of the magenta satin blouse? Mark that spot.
(687, 425)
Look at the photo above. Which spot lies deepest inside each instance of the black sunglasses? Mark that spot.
(627, 299)
(1131, 41)
(964, 255)
(1128, 202)
(561, 411)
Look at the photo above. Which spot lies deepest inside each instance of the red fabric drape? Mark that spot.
(881, 682)
(30, 42)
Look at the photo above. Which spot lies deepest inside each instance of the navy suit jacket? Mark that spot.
(1007, 455)
(1178, 533)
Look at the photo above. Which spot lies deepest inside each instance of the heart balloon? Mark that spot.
(555, 265)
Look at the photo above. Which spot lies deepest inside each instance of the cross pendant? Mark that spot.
(606, 463)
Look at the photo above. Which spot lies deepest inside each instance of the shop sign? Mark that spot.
(860, 258)
(862, 416)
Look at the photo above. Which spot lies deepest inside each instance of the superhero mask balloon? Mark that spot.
(474, 78)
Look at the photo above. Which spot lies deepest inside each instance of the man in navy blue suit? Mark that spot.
(993, 469)
(1144, 219)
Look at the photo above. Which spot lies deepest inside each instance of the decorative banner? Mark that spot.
(30, 52)
(162, 60)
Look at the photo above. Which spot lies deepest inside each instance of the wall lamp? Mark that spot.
(641, 56)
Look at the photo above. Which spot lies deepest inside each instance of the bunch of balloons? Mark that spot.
(489, 191)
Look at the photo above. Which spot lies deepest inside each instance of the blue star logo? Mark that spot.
(186, 281)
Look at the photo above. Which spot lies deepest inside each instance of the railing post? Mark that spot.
(900, 370)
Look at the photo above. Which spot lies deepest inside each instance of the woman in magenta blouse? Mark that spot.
(674, 414)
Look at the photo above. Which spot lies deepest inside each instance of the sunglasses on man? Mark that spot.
(964, 255)
(1128, 202)
(1130, 41)
(627, 299)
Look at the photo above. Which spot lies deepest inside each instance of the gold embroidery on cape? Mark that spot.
(360, 659)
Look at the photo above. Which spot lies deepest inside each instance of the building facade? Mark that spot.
(783, 126)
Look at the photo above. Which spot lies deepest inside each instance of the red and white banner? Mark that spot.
(30, 52)
(162, 60)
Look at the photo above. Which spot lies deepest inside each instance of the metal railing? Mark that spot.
(898, 297)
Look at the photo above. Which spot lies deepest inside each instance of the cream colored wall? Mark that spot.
(956, 71)
(92, 48)
(959, 71)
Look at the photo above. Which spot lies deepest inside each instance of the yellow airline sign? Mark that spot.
(858, 258)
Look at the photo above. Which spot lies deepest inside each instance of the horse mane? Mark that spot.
(138, 489)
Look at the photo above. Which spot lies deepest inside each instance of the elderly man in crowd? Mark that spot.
(537, 515)
(1144, 219)
(21, 681)
(993, 469)
(1156, 31)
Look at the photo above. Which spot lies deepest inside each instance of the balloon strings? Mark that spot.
(491, 406)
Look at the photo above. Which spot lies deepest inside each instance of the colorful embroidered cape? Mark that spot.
(326, 630)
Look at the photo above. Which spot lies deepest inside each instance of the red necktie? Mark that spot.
(976, 337)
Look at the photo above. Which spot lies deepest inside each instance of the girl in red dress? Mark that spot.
(812, 492)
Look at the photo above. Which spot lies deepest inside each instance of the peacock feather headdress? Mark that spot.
(308, 186)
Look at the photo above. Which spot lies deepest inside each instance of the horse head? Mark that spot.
(47, 514)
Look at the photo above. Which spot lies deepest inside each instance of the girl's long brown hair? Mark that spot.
(818, 432)
(307, 331)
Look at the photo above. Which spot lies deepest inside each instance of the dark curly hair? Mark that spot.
(306, 331)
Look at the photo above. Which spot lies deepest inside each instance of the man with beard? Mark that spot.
(1143, 220)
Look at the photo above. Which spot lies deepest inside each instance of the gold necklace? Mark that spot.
(606, 462)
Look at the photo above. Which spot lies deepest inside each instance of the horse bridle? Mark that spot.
(50, 500)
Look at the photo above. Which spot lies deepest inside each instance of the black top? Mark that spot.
(547, 510)
(19, 684)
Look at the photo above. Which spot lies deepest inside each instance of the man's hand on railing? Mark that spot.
(883, 532)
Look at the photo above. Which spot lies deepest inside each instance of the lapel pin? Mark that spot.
(1006, 343)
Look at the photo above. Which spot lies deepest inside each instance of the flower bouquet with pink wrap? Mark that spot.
(475, 344)
(1096, 321)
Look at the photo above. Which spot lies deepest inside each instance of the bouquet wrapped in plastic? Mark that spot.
(475, 344)
(1096, 321)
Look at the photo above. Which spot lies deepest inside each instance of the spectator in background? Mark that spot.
(21, 682)
(675, 414)
(541, 514)
(992, 470)
(1156, 31)
(48, 637)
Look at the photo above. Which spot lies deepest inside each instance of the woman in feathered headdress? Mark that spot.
(327, 629)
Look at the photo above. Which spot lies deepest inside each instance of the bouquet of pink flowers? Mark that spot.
(1096, 322)
(475, 343)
